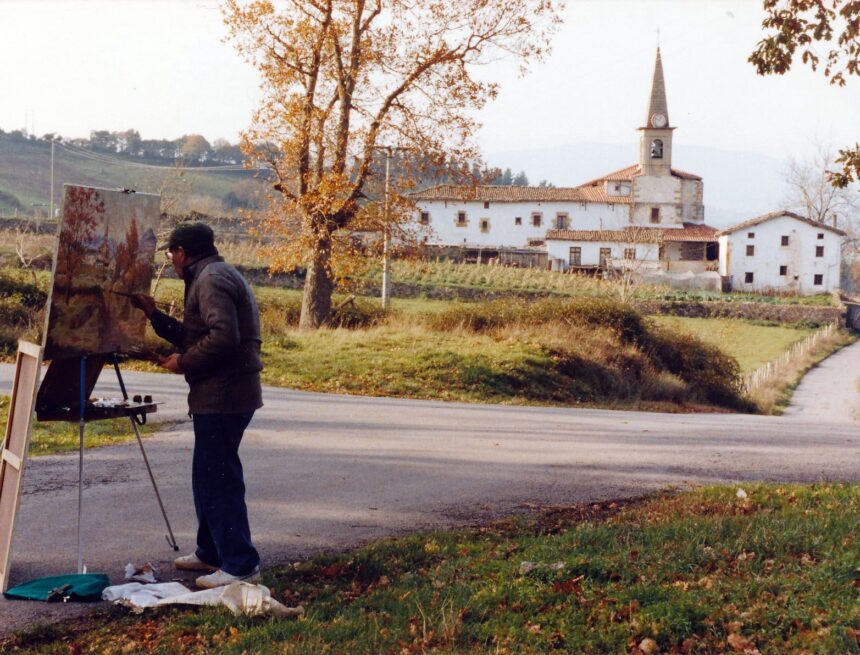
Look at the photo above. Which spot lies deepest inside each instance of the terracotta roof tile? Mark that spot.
(776, 214)
(593, 191)
(690, 232)
(492, 193)
(685, 175)
(627, 174)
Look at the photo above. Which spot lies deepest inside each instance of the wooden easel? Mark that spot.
(56, 402)
(13, 449)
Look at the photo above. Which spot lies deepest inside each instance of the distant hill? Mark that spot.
(25, 174)
(738, 185)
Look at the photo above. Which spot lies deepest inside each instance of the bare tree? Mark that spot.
(811, 193)
(26, 247)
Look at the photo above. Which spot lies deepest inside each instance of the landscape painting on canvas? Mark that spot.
(106, 248)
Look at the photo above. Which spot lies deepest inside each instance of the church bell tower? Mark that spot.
(655, 141)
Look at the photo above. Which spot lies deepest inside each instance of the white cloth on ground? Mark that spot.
(239, 597)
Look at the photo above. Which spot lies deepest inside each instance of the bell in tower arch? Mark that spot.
(657, 149)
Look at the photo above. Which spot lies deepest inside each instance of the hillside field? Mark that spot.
(25, 179)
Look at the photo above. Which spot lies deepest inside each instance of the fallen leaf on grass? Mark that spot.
(741, 644)
(648, 646)
(568, 586)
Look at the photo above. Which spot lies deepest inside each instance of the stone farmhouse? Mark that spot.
(647, 219)
(781, 251)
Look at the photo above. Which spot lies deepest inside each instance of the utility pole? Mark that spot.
(386, 238)
(52, 179)
(386, 228)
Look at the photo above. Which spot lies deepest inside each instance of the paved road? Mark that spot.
(831, 391)
(326, 471)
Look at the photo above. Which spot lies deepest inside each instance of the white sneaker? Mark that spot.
(221, 578)
(192, 563)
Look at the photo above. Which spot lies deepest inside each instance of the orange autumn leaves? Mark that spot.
(343, 78)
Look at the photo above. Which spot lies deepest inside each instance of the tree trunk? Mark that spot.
(316, 297)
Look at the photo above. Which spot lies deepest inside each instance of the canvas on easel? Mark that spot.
(14, 447)
(105, 251)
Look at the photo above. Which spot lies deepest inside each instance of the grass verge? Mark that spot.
(702, 572)
(750, 344)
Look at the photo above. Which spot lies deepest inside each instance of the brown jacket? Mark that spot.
(219, 339)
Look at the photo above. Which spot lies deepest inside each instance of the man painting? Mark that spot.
(219, 354)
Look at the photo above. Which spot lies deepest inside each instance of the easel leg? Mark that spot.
(81, 426)
(171, 539)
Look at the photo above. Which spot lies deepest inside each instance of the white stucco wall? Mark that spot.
(503, 230)
(591, 251)
(799, 257)
(725, 256)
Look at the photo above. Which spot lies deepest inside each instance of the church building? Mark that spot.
(647, 215)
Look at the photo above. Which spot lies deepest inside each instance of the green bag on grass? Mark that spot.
(83, 587)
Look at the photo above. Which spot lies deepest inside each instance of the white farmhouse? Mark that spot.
(647, 212)
(781, 252)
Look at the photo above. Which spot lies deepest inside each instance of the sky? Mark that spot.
(162, 67)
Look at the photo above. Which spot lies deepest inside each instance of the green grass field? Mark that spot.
(25, 174)
(752, 345)
(703, 572)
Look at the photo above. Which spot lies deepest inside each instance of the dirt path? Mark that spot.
(328, 472)
(831, 391)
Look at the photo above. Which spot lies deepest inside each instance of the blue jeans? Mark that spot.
(223, 534)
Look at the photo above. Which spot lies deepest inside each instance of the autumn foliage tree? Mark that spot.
(341, 78)
(82, 210)
(797, 27)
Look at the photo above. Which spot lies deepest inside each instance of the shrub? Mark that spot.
(357, 313)
(20, 285)
(277, 315)
(713, 375)
(486, 316)
(22, 304)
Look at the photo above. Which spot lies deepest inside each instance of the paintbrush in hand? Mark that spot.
(139, 352)
(132, 295)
